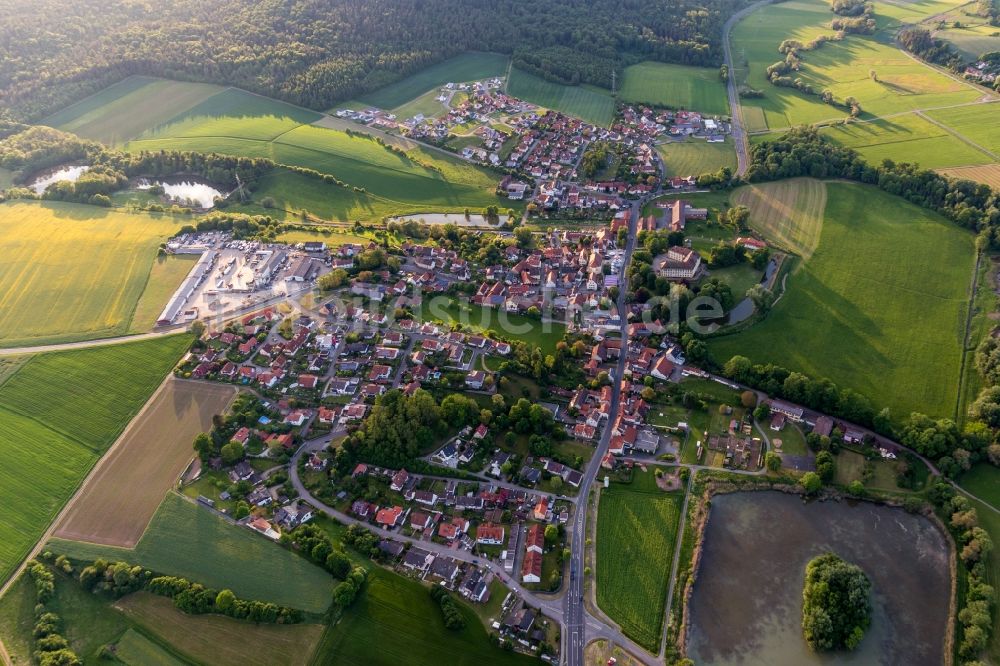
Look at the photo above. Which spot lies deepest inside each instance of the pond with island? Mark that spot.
(746, 604)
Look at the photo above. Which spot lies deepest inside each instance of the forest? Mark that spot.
(316, 53)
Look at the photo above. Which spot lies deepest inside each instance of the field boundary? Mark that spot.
(76, 493)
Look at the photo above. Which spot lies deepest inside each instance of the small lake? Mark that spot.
(746, 606)
(182, 191)
(70, 173)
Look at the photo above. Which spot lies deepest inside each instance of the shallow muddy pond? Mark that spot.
(746, 606)
(70, 173)
(184, 191)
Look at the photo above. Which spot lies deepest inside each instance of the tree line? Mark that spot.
(317, 52)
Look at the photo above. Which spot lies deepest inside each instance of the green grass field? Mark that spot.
(636, 533)
(693, 158)
(73, 272)
(473, 66)
(983, 481)
(908, 138)
(739, 278)
(675, 86)
(858, 313)
(979, 124)
(591, 104)
(165, 277)
(972, 40)
(426, 105)
(184, 539)
(58, 413)
(397, 606)
(129, 108)
(135, 649)
(508, 326)
(842, 67)
(238, 123)
(989, 520)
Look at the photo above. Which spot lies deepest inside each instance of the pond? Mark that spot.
(746, 606)
(184, 190)
(70, 173)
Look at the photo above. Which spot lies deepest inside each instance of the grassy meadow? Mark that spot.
(908, 138)
(594, 105)
(187, 540)
(979, 124)
(410, 179)
(472, 66)
(972, 40)
(694, 157)
(844, 67)
(636, 534)
(508, 326)
(129, 108)
(165, 276)
(395, 605)
(857, 313)
(675, 86)
(73, 272)
(58, 413)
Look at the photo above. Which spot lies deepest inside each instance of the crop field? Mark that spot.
(165, 276)
(591, 104)
(58, 413)
(129, 108)
(636, 525)
(121, 497)
(988, 174)
(135, 649)
(73, 272)
(675, 86)
(857, 313)
(397, 606)
(907, 138)
(220, 640)
(472, 66)
(843, 67)
(787, 212)
(187, 540)
(693, 158)
(979, 124)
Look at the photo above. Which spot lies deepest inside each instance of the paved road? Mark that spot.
(574, 626)
(736, 111)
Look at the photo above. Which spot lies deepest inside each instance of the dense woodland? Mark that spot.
(318, 52)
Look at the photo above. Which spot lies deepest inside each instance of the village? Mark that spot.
(545, 152)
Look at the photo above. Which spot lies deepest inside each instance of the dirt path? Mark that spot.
(675, 564)
(961, 137)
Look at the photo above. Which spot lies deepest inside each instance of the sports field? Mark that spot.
(675, 86)
(220, 640)
(787, 212)
(843, 67)
(58, 413)
(403, 608)
(237, 123)
(858, 313)
(695, 157)
(636, 535)
(591, 104)
(188, 540)
(73, 272)
(121, 497)
(129, 107)
(472, 66)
